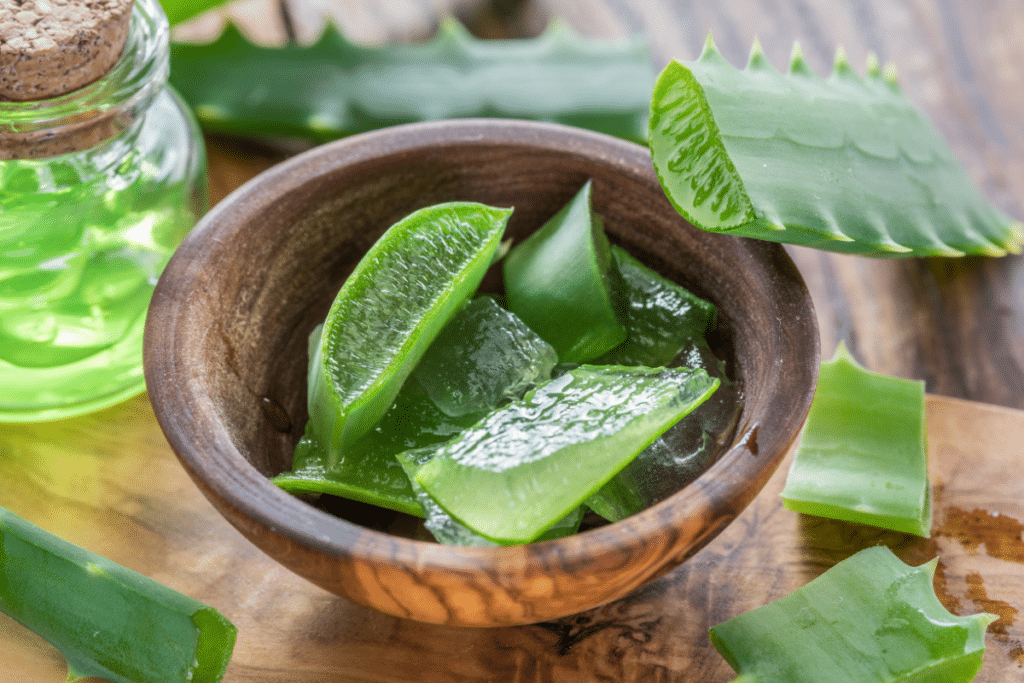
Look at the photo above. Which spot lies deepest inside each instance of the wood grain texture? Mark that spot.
(113, 485)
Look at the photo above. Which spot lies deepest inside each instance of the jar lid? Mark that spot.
(51, 47)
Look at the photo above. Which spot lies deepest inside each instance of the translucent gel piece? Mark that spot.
(528, 464)
(661, 317)
(483, 355)
(862, 455)
(868, 619)
(681, 454)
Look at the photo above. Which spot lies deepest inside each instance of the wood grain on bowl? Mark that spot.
(226, 358)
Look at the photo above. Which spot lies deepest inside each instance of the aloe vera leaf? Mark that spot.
(108, 621)
(400, 295)
(560, 282)
(531, 462)
(446, 529)
(484, 355)
(661, 318)
(181, 10)
(868, 619)
(682, 453)
(369, 471)
(862, 455)
(335, 88)
(845, 164)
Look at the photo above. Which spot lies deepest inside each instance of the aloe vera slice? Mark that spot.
(108, 621)
(369, 471)
(680, 455)
(661, 319)
(484, 355)
(862, 455)
(559, 281)
(446, 529)
(868, 619)
(845, 164)
(335, 88)
(400, 295)
(530, 463)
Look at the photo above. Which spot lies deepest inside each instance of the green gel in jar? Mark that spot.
(97, 188)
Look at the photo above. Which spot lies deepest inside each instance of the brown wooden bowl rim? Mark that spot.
(241, 487)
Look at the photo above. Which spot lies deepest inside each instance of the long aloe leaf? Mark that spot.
(108, 621)
(181, 10)
(845, 164)
(335, 88)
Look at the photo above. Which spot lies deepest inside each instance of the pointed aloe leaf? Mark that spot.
(845, 164)
(562, 283)
(335, 88)
(392, 306)
(530, 463)
(108, 621)
(868, 619)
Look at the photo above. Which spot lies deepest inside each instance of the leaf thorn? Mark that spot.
(797, 64)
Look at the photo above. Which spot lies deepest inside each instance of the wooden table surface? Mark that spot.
(110, 483)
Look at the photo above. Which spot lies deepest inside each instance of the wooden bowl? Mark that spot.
(225, 358)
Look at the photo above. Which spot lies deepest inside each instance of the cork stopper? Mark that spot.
(51, 47)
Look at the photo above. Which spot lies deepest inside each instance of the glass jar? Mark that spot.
(97, 189)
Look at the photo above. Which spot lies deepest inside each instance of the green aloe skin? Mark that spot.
(562, 283)
(335, 88)
(398, 298)
(868, 619)
(862, 455)
(845, 164)
(530, 463)
(108, 621)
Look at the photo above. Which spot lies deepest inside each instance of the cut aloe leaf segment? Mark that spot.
(559, 281)
(530, 463)
(862, 455)
(845, 164)
(868, 619)
(446, 529)
(108, 621)
(392, 306)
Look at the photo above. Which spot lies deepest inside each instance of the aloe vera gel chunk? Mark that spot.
(868, 619)
(862, 456)
(530, 463)
(559, 281)
(108, 621)
(369, 471)
(662, 318)
(398, 298)
(484, 355)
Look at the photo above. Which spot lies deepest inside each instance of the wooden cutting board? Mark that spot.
(110, 483)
